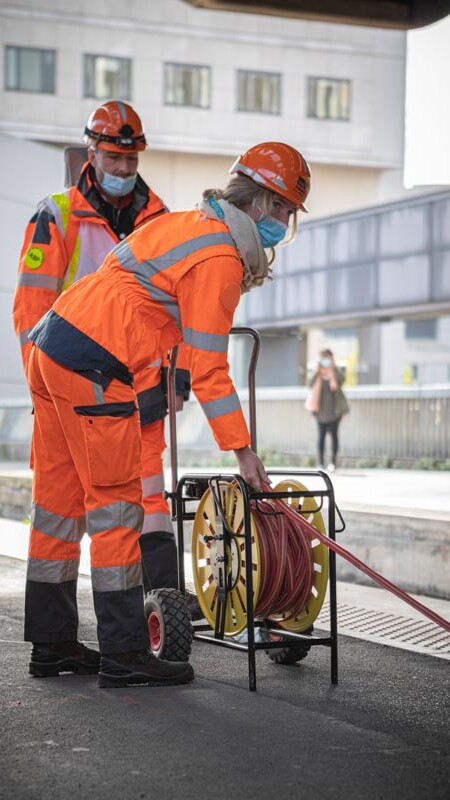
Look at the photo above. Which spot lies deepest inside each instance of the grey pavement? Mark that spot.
(381, 733)
(422, 491)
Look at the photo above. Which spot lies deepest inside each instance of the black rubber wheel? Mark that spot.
(289, 654)
(169, 624)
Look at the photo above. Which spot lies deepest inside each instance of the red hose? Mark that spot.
(300, 531)
(287, 569)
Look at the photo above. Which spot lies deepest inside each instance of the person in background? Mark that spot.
(328, 403)
(67, 238)
(176, 279)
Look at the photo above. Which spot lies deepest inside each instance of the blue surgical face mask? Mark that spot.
(117, 187)
(325, 362)
(271, 231)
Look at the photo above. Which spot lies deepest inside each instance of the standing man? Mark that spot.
(67, 238)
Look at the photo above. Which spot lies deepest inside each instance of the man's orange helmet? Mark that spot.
(279, 168)
(116, 127)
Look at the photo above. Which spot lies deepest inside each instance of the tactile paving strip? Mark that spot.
(389, 629)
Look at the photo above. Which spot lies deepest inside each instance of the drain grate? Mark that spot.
(389, 629)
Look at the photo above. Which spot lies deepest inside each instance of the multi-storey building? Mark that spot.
(207, 85)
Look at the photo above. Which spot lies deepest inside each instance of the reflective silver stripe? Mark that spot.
(125, 256)
(23, 337)
(116, 579)
(225, 405)
(214, 342)
(120, 514)
(98, 393)
(145, 270)
(52, 571)
(256, 177)
(166, 300)
(69, 529)
(40, 281)
(186, 249)
(55, 203)
(157, 522)
(52, 204)
(122, 110)
(152, 266)
(153, 485)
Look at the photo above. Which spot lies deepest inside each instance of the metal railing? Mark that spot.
(390, 425)
(396, 425)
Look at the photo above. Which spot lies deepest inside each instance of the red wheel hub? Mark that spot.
(154, 630)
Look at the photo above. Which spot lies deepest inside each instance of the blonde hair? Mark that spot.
(245, 194)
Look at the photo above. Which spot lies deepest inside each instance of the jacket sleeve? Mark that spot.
(42, 267)
(208, 296)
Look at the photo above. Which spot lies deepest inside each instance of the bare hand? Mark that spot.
(251, 468)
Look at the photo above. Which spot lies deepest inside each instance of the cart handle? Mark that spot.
(171, 398)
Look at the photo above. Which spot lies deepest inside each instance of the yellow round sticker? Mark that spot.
(34, 258)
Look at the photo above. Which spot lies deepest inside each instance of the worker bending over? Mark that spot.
(177, 279)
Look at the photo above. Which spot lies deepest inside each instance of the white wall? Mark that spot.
(354, 164)
(29, 172)
(159, 31)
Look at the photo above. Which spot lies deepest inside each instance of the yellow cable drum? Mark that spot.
(216, 564)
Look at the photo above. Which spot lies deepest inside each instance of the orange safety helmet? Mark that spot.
(116, 127)
(279, 168)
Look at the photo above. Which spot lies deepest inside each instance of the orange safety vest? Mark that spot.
(64, 241)
(175, 279)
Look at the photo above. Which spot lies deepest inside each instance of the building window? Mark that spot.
(106, 77)
(420, 329)
(328, 98)
(30, 69)
(187, 85)
(259, 92)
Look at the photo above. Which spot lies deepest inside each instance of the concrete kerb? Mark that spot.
(396, 520)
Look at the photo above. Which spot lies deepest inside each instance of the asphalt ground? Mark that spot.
(381, 733)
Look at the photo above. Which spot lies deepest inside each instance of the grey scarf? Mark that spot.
(246, 238)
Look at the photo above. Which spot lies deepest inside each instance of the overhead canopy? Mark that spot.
(399, 14)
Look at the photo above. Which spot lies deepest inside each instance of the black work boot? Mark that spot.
(48, 659)
(141, 667)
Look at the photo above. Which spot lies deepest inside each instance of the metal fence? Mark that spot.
(388, 425)
(394, 426)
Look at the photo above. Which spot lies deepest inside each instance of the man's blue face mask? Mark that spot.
(271, 231)
(118, 187)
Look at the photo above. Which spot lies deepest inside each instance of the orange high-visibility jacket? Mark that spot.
(66, 239)
(177, 278)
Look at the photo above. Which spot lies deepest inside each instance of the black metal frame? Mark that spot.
(180, 496)
(217, 636)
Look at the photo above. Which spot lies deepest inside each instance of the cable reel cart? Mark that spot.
(260, 581)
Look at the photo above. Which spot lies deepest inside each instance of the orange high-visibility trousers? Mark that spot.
(87, 477)
(157, 513)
